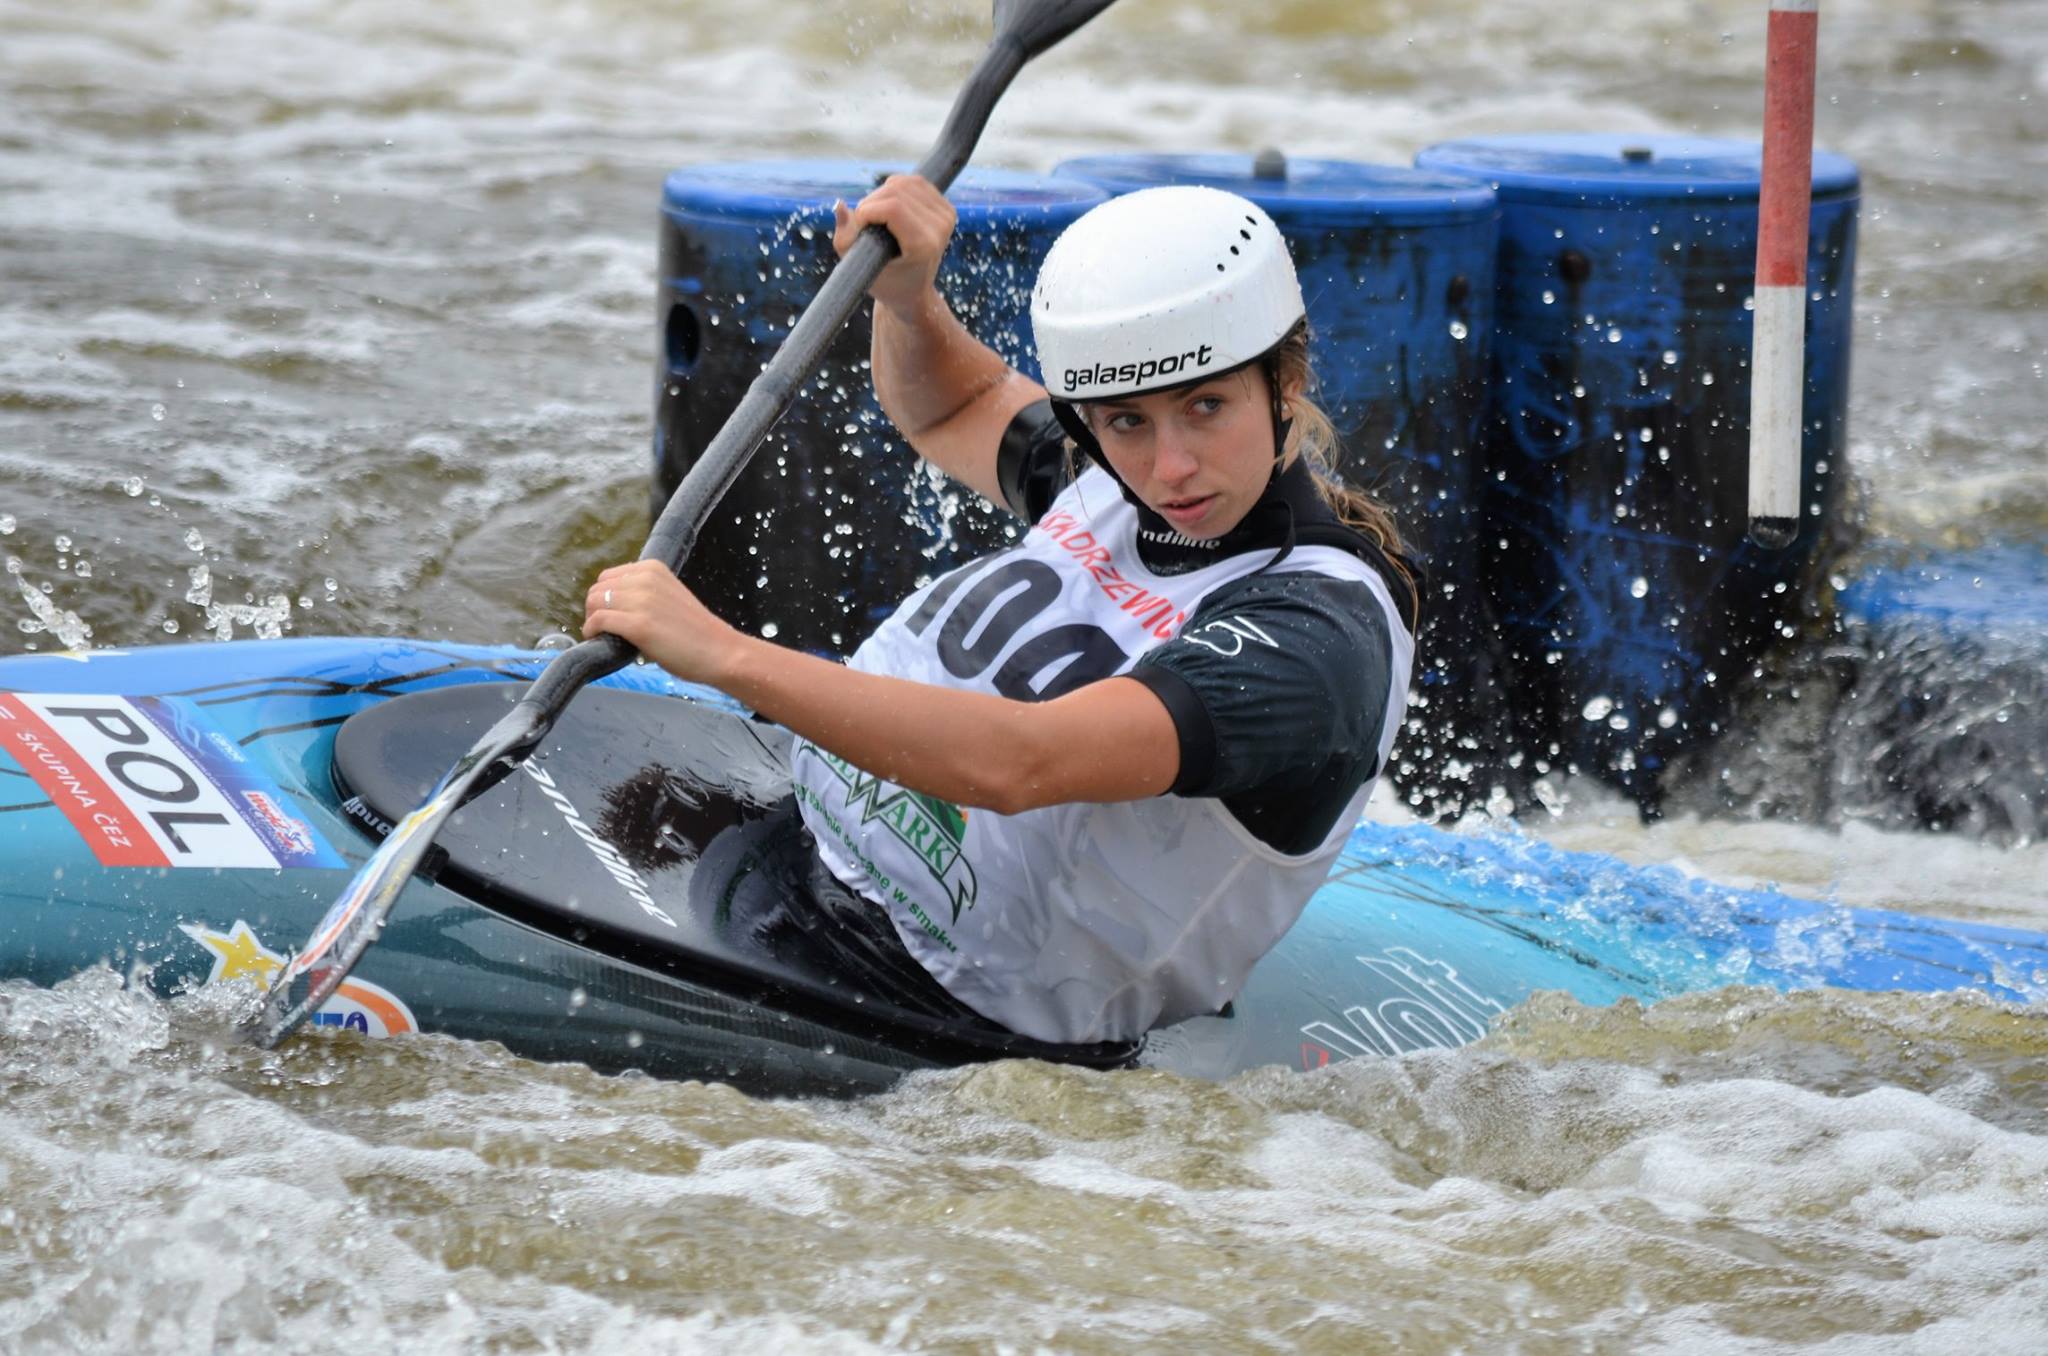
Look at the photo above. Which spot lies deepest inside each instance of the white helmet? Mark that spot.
(1159, 288)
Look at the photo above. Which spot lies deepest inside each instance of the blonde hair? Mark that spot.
(1312, 436)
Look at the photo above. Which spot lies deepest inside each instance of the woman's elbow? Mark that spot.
(1009, 796)
(1023, 779)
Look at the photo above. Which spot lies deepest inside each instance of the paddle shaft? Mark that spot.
(766, 401)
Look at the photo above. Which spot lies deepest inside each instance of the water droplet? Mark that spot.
(157, 412)
(577, 998)
(1617, 722)
(770, 630)
(1549, 297)
(193, 541)
(83, 569)
(6, 524)
(170, 626)
(1638, 587)
(132, 487)
(63, 542)
(1598, 709)
(1671, 357)
(1666, 718)
(1458, 330)
(329, 584)
(1613, 335)
(634, 1040)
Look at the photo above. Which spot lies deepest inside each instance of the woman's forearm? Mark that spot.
(932, 740)
(970, 748)
(1106, 741)
(948, 393)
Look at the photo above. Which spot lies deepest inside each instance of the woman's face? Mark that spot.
(1198, 455)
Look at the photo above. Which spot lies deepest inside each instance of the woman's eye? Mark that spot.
(1209, 404)
(1123, 423)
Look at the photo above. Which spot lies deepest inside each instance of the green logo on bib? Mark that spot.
(931, 828)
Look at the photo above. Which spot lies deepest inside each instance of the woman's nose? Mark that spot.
(1172, 462)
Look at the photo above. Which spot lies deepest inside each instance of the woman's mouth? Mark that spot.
(1185, 513)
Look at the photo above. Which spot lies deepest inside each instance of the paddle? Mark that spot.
(1023, 29)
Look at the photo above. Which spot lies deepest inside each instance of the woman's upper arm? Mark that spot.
(966, 444)
(1112, 740)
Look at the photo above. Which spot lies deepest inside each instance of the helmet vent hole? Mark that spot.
(1233, 249)
(1246, 234)
(1219, 268)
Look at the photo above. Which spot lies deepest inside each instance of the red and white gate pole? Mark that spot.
(1777, 361)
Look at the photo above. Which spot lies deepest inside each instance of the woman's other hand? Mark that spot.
(646, 604)
(920, 218)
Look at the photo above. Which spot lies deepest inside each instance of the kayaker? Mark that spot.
(1087, 781)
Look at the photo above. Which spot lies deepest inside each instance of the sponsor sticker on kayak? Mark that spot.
(357, 1005)
(147, 782)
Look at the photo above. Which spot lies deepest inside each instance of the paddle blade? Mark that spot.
(351, 926)
(311, 977)
(1035, 25)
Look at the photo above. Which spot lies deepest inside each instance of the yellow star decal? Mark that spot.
(237, 954)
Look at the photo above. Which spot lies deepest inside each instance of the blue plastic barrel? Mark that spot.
(1615, 465)
(835, 520)
(1396, 266)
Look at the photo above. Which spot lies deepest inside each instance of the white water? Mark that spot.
(1728, 1172)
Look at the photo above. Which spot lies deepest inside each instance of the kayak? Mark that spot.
(186, 814)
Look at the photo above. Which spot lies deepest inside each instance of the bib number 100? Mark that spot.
(1003, 601)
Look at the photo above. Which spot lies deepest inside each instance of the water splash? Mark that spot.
(267, 618)
(71, 630)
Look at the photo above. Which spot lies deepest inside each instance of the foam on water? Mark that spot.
(1720, 1171)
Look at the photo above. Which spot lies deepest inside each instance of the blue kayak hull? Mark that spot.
(171, 812)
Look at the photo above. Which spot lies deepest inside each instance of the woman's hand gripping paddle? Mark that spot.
(1023, 29)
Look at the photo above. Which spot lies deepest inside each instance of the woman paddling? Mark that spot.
(1086, 782)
